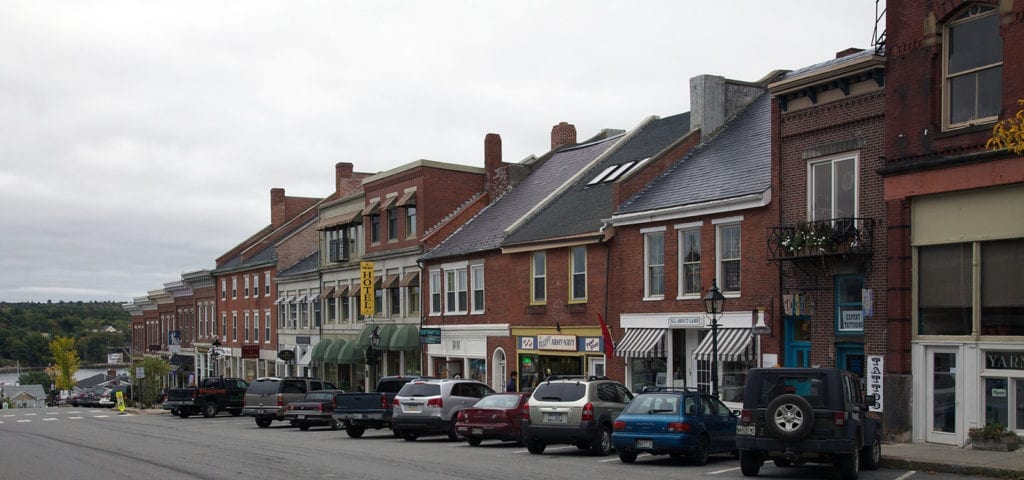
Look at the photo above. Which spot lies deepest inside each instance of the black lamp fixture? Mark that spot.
(375, 338)
(714, 305)
(373, 351)
(214, 353)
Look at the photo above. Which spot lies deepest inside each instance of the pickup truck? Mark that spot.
(214, 394)
(359, 411)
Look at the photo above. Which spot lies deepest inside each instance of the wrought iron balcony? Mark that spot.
(848, 236)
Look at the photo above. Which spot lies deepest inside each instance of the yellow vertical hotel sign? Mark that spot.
(366, 292)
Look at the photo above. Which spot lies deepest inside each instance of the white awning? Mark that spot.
(283, 300)
(733, 346)
(641, 342)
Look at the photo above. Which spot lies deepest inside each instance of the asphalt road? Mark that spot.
(94, 444)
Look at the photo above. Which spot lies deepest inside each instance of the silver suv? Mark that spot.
(267, 397)
(431, 406)
(575, 410)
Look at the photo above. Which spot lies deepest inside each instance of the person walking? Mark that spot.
(511, 386)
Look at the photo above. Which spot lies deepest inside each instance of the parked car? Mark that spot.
(362, 410)
(266, 397)
(499, 416)
(578, 411)
(316, 408)
(212, 395)
(676, 422)
(797, 415)
(425, 407)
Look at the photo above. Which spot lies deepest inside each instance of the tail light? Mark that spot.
(320, 407)
(619, 425)
(463, 417)
(384, 401)
(839, 418)
(394, 402)
(746, 417)
(280, 400)
(435, 402)
(588, 413)
(679, 427)
(525, 410)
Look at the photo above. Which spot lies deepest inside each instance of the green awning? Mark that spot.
(331, 354)
(351, 354)
(406, 338)
(385, 332)
(363, 339)
(318, 350)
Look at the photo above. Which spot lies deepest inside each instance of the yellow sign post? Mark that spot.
(366, 297)
(120, 401)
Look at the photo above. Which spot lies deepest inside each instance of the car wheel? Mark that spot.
(750, 463)
(700, 455)
(303, 426)
(790, 417)
(603, 445)
(535, 446)
(354, 431)
(871, 455)
(337, 424)
(474, 441)
(783, 462)
(627, 456)
(848, 465)
(263, 422)
(409, 436)
(209, 409)
(453, 433)
(183, 412)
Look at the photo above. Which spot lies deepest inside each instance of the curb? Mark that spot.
(960, 469)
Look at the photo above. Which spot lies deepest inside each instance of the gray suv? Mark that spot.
(431, 406)
(267, 397)
(575, 410)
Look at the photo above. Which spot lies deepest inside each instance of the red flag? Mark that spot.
(609, 347)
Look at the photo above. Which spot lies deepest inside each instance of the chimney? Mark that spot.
(714, 100)
(278, 214)
(342, 172)
(497, 174)
(563, 134)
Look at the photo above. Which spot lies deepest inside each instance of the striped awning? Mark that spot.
(641, 342)
(327, 293)
(733, 346)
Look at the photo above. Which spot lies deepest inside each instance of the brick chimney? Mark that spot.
(345, 180)
(278, 212)
(714, 100)
(497, 172)
(563, 134)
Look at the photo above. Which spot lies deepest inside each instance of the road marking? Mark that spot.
(24, 421)
(30, 414)
(8, 415)
(100, 416)
(724, 471)
(609, 460)
(906, 475)
(50, 419)
(74, 418)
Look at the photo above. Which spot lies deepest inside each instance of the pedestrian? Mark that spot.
(511, 386)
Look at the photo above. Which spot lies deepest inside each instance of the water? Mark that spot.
(10, 378)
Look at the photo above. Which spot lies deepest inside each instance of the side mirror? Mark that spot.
(735, 414)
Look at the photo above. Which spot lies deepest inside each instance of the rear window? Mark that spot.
(498, 401)
(293, 386)
(420, 390)
(320, 395)
(392, 386)
(560, 392)
(263, 387)
(810, 386)
(654, 404)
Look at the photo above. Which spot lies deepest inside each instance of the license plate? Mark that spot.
(644, 443)
(478, 431)
(412, 408)
(554, 418)
(745, 430)
(302, 417)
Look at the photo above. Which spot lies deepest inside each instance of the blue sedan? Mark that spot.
(679, 422)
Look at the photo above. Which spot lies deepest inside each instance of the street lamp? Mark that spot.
(714, 304)
(214, 353)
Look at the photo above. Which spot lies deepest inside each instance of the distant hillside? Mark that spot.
(27, 328)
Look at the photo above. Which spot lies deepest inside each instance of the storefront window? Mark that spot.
(849, 307)
(996, 404)
(647, 372)
(391, 362)
(1002, 287)
(734, 379)
(528, 373)
(478, 369)
(944, 289)
(412, 363)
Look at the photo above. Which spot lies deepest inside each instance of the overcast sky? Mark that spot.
(140, 140)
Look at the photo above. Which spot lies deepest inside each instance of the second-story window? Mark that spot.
(729, 257)
(435, 292)
(538, 271)
(477, 274)
(832, 188)
(234, 326)
(234, 287)
(255, 285)
(455, 291)
(256, 326)
(689, 260)
(973, 67)
(266, 284)
(654, 264)
(223, 289)
(374, 228)
(410, 221)
(392, 224)
(266, 325)
(245, 287)
(578, 274)
(245, 330)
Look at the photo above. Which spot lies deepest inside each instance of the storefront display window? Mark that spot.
(734, 378)
(478, 369)
(996, 401)
(647, 372)
(391, 361)
(412, 363)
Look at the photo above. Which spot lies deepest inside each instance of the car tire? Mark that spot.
(263, 422)
(627, 456)
(602, 445)
(871, 455)
(474, 441)
(535, 446)
(209, 409)
(354, 431)
(700, 454)
(303, 426)
(410, 437)
(750, 463)
(790, 417)
(183, 412)
(396, 433)
(848, 465)
(453, 432)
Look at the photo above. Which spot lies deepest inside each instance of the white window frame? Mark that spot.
(456, 292)
(968, 15)
(833, 185)
(477, 279)
(256, 326)
(255, 285)
(245, 330)
(576, 269)
(720, 225)
(223, 289)
(266, 286)
(234, 288)
(681, 232)
(234, 326)
(245, 286)
(436, 295)
(649, 267)
(538, 298)
(266, 326)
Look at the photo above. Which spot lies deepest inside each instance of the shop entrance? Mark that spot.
(943, 391)
(798, 341)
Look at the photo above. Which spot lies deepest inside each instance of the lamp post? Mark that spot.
(214, 354)
(373, 353)
(714, 304)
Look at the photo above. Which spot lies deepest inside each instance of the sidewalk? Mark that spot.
(933, 457)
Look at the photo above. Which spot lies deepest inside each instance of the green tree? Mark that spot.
(150, 386)
(66, 359)
(36, 378)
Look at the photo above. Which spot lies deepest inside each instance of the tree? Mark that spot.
(66, 359)
(36, 378)
(1009, 133)
(150, 385)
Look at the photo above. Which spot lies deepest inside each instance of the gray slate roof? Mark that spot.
(36, 391)
(734, 163)
(486, 230)
(306, 265)
(581, 209)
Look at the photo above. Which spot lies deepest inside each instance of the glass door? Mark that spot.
(798, 341)
(943, 391)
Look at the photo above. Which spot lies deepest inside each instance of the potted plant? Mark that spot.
(993, 436)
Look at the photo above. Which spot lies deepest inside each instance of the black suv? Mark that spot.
(267, 397)
(797, 415)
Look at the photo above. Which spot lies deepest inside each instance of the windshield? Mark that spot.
(811, 386)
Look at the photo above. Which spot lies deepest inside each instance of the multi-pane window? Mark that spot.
(455, 291)
(413, 298)
(223, 289)
(395, 300)
(256, 326)
(266, 326)
(234, 287)
(234, 326)
(410, 221)
(374, 228)
(246, 286)
(435, 292)
(833, 188)
(973, 66)
(654, 265)
(346, 305)
(578, 274)
(538, 271)
(378, 300)
(689, 261)
(336, 244)
(849, 309)
(477, 274)
(245, 330)
(266, 284)
(729, 258)
(392, 224)
(223, 326)
(255, 285)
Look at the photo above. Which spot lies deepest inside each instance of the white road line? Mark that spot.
(74, 418)
(24, 421)
(50, 419)
(100, 416)
(8, 415)
(907, 475)
(610, 460)
(724, 471)
(30, 414)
